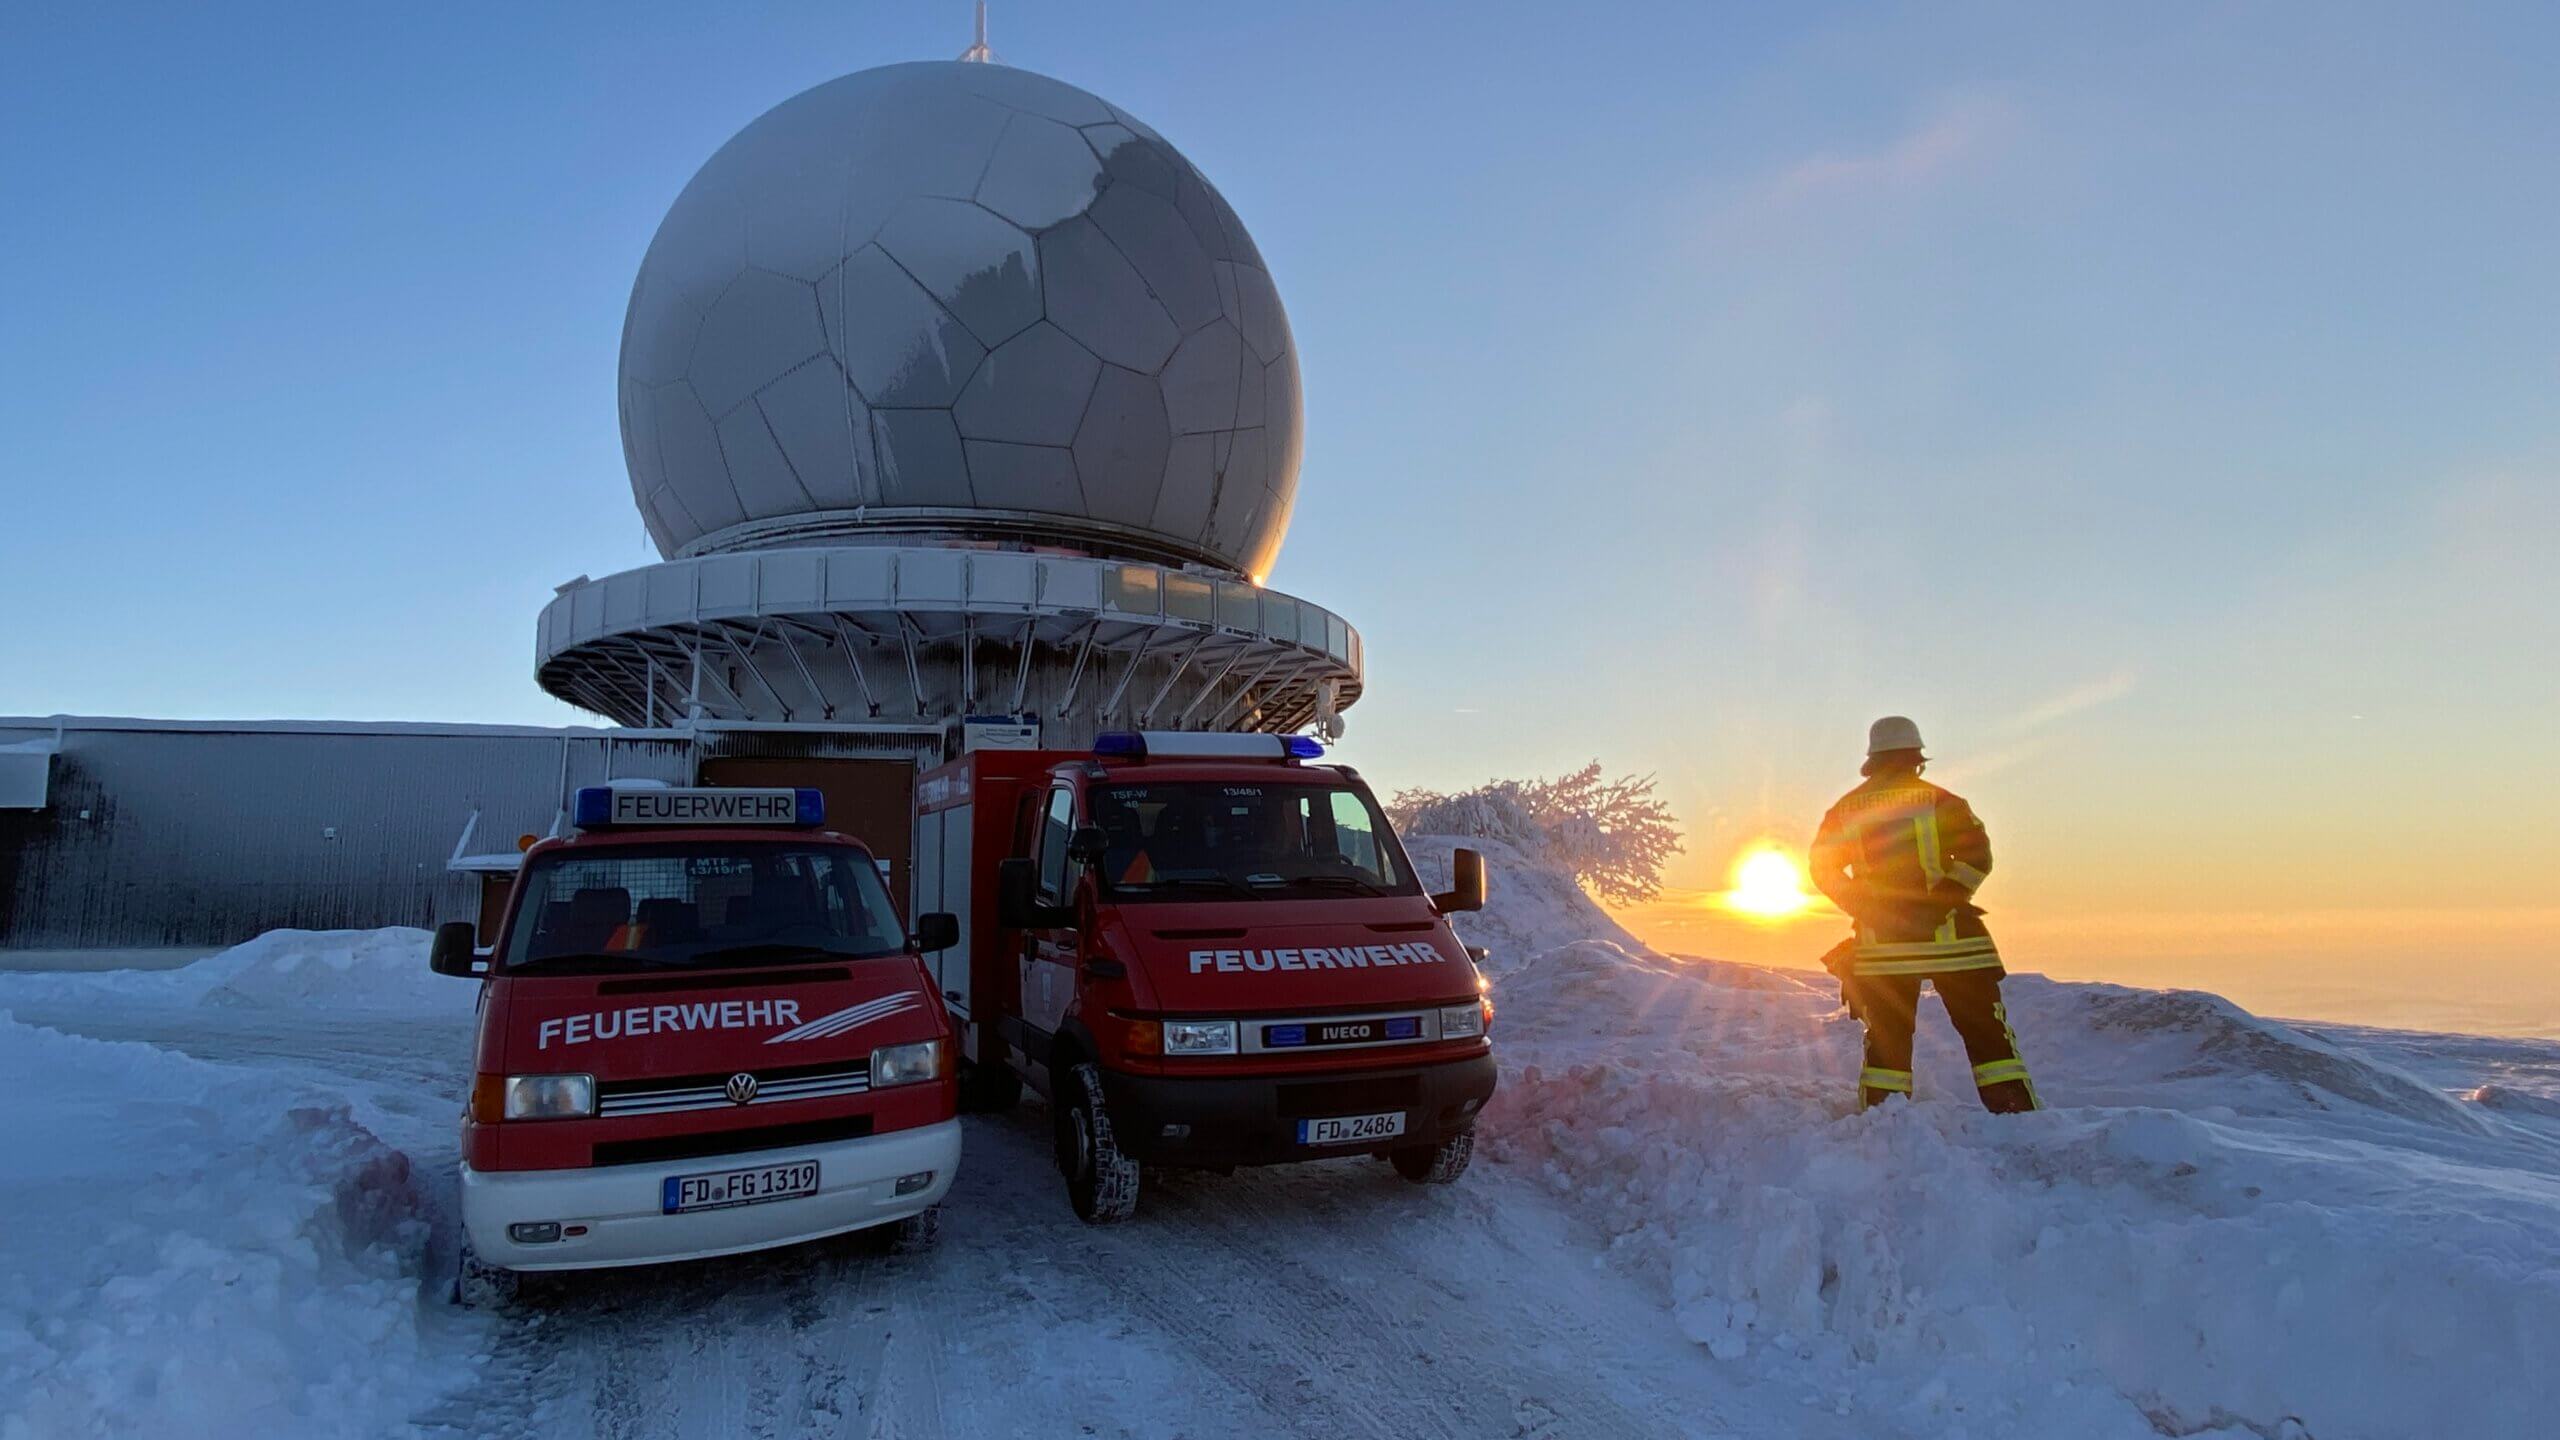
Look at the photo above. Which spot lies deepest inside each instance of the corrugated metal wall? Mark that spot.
(164, 835)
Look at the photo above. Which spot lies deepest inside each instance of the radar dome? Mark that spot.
(963, 300)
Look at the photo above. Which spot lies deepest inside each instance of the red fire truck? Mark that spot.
(703, 1030)
(1206, 951)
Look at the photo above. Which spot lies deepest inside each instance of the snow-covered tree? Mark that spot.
(1609, 831)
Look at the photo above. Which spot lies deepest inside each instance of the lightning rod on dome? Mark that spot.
(979, 51)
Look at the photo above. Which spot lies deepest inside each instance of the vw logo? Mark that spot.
(741, 1088)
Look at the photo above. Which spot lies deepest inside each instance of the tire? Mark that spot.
(991, 1088)
(917, 1233)
(480, 1286)
(1435, 1164)
(1102, 1183)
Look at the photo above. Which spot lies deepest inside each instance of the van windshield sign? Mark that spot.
(600, 806)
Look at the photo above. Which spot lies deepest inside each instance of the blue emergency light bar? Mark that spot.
(603, 807)
(1203, 745)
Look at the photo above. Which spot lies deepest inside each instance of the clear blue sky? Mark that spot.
(2161, 403)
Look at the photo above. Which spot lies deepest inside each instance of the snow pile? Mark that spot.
(191, 1252)
(1530, 909)
(2225, 1226)
(332, 970)
(319, 972)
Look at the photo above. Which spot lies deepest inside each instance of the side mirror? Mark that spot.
(1088, 845)
(1466, 884)
(937, 930)
(455, 951)
(1018, 904)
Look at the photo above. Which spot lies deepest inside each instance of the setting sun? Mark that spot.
(1767, 883)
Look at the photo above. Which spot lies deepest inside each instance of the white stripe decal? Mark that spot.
(844, 1020)
(851, 1017)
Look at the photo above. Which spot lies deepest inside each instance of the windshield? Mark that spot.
(1268, 841)
(694, 906)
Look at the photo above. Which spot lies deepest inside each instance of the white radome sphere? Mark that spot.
(958, 299)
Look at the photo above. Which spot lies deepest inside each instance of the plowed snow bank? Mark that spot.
(320, 972)
(191, 1253)
(1532, 910)
(2223, 1225)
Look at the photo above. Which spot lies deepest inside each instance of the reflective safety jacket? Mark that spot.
(1903, 858)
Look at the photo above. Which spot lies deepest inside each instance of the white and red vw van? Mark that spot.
(703, 1029)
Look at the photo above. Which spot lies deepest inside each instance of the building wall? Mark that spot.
(161, 833)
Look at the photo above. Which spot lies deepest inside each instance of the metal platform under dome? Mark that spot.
(900, 635)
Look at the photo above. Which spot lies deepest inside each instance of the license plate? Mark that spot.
(1351, 1129)
(726, 1188)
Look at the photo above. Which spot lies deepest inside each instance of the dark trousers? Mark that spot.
(1890, 1005)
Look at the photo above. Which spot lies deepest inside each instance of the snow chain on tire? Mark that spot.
(1435, 1164)
(1104, 1188)
(479, 1286)
(917, 1233)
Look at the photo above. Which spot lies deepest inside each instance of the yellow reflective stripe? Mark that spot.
(1930, 964)
(1896, 949)
(2000, 1012)
(1924, 833)
(1965, 875)
(1995, 1072)
(1876, 1077)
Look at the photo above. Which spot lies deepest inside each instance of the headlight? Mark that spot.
(550, 1097)
(1462, 1022)
(1199, 1037)
(906, 1064)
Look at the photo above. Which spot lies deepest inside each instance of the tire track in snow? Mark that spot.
(1340, 1300)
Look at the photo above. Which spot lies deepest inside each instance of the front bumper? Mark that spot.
(619, 1204)
(1253, 1120)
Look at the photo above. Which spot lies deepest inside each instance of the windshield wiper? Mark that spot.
(596, 957)
(1166, 882)
(780, 949)
(1343, 882)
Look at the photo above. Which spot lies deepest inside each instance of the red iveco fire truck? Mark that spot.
(702, 1030)
(1206, 951)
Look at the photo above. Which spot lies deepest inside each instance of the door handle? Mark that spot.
(1105, 970)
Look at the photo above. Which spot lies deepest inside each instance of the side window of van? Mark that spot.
(1056, 824)
(1353, 839)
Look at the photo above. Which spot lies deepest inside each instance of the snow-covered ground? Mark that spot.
(230, 1194)
(218, 1221)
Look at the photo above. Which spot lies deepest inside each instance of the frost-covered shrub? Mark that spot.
(1609, 831)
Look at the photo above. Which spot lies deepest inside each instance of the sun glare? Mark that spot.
(1767, 883)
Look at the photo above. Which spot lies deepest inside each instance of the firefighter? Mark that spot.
(1903, 858)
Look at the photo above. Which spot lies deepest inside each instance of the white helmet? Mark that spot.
(1893, 732)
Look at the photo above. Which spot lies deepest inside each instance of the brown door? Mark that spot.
(874, 801)
(493, 904)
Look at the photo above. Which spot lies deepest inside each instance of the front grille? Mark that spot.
(1306, 1032)
(669, 1094)
(731, 1142)
(1349, 1097)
